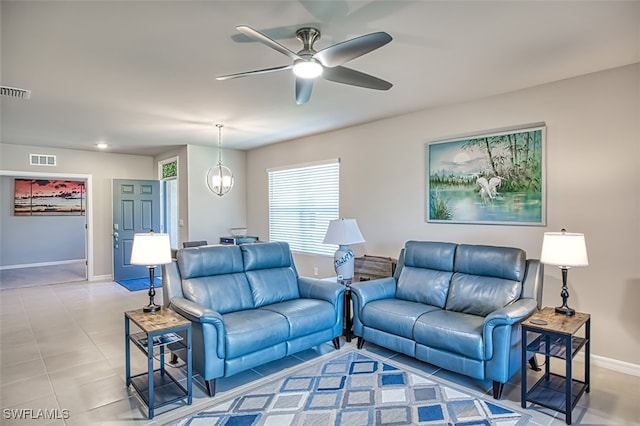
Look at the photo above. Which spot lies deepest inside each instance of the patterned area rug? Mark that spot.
(356, 389)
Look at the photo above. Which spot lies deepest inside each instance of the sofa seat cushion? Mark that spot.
(451, 331)
(394, 316)
(304, 316)
(253, 329)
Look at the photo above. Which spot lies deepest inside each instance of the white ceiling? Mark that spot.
(140, 76)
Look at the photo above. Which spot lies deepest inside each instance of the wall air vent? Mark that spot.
(14, 92)
(42, 160)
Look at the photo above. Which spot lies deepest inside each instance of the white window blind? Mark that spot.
(302, 201)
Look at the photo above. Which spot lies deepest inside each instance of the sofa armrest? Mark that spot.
(367, 291)
(195, 312)
(363, 292)
(204, 316)
(314, 288)
(510, 315)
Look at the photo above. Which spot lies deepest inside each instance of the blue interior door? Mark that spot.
(136, 209)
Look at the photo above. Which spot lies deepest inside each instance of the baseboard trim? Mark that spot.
(35, 265)
(612, 364)
(107, 277)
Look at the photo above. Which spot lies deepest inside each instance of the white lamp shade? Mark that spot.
(343, 232)
(151, 249)
(564, 249)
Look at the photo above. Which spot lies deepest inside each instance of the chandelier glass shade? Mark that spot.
(219, 177)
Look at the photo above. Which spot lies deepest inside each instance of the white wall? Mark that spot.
(211, 216)
(593, 181)
(103, 167)
(29, 240)
(205, 215)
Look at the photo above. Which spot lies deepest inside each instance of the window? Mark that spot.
(302, 201)
(169, 182)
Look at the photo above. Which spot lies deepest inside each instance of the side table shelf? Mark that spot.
(554, 337)
(555, 348)
(160, 333)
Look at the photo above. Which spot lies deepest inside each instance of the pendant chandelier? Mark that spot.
(219, 177)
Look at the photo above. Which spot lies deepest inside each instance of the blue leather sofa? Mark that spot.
(455, 306)
(248, 306)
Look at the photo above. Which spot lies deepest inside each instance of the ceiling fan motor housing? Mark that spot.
(307, 36)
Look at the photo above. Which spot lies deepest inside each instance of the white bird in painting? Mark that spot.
(488, 189)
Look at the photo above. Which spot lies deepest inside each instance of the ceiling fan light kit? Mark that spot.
(307, 69)
(309, 64)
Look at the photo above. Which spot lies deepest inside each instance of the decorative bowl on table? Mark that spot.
(238, 232)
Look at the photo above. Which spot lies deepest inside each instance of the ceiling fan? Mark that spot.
(309, 64)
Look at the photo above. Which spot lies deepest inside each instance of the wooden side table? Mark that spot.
(554, 336)
(157, 387)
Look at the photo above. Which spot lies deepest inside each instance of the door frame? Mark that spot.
(159, 196)
(163, 213)
(89, 206)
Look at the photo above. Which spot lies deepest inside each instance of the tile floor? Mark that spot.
(62, 348)
(42, 275)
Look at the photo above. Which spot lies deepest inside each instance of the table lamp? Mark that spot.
(343, 232)
(565, 250)
(151, 250)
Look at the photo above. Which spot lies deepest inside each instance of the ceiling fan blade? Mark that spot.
(346, 75)
(256, 72)
(341, 53)
(257, 35)
(303, 90)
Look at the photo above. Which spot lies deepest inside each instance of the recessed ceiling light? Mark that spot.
(102, 145)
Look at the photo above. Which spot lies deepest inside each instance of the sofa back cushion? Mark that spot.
(270, 271)
(426, 272)
(204, 261)
(486, 278)
(213, 277)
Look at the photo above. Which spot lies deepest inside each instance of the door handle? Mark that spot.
(115, 240)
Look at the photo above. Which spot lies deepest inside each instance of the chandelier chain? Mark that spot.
(219, 126)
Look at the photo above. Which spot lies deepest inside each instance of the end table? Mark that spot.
(554, 335)
(160, 330)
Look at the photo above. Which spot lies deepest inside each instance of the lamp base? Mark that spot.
(344, 281)
(343, 262)
(151, 308)
(565, 310)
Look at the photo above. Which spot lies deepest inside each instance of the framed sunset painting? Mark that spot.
(493, 178)
(46, 197)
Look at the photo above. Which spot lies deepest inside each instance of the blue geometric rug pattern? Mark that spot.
(356, 389)
(136, 284)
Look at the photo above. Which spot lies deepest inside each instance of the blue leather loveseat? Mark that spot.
(455, 306)
(248, 306)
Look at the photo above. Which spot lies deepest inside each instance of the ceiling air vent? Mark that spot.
(42, 160)
(14, 92)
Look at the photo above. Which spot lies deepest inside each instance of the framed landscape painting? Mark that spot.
(45, 197)
(494, 178)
